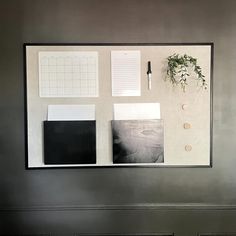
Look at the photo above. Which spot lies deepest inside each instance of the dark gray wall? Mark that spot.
(117, 200)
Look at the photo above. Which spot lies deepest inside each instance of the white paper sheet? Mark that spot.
(71, 112)
(136, 111)
(68, 74)
(125, 73)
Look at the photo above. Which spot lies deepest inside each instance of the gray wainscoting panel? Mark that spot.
(185, 222)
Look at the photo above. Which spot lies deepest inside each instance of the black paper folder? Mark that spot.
(69, 142)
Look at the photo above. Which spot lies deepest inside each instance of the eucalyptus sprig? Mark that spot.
(179, 69)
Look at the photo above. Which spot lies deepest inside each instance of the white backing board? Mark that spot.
(136, 111)
(71, 112)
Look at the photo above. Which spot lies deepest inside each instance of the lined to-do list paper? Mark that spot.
(125, 73)
(68, 74)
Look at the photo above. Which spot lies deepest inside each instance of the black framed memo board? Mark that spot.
(98, 105)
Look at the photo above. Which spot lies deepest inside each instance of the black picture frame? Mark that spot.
(211, 44)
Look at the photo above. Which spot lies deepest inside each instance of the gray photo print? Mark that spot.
(138, 141)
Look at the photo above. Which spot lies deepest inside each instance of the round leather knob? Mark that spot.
(188, 148)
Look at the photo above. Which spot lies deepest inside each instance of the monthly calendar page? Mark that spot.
(68, 74)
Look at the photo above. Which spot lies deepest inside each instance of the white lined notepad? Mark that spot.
(125, 73)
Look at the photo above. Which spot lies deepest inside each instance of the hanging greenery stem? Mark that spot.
(179, 68)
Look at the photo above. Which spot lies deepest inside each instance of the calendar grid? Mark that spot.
(68, 74)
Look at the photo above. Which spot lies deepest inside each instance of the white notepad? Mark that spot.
(125, 73)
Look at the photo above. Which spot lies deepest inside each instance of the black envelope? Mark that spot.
(69, 142)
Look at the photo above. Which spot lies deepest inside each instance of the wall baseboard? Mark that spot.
(217, 234)
(99, 234)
